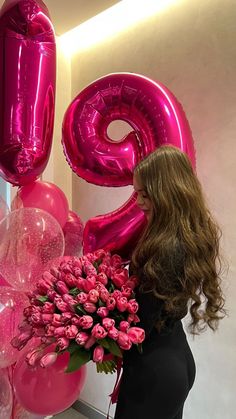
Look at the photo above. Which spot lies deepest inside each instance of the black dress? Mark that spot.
(155, 384)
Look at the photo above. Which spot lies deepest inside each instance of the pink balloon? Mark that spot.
(27, 89)
(156, 117)
(12, 304)
(3, 282)
(73, 233)
(46, 196)
(30, 238)
(47, 391)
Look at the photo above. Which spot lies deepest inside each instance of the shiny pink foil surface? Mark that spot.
(157, 118)
(27, 89)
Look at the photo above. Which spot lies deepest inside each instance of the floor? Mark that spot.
(70, 414)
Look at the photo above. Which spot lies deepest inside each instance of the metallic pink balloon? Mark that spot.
(156, 117)
(46, 196)
(73, 233)
(27, 89)
(50, 390)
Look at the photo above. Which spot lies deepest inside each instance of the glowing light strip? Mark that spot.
(116, 19)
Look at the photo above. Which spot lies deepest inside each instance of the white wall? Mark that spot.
(190, 47)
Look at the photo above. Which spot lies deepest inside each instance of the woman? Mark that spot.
(178, 265)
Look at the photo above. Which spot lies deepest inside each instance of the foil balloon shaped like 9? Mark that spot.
(156, 117)
(27, 89)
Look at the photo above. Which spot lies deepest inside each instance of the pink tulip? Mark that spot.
(116, 261)
(89, 269)
(48, 307)
(28, 311)
(103, 311)
(81, 338)
(52, 294)
(57, 320)
(46, 318)
(126, 291)
(36, 318)
(93, 296)
(98, 354)
(90, 342)
(55, 272)
(66, 316)
(48, 359)
(119, 277)
(108, 323)
(71, 331)
(121, 304)
(113, 333)
(89, 307)
(86, 322)
(104, 294)
(33, 356)
(63, 343)
(124, 341)
(49, 330)
(136, 334)
(132, 306)
(62, 288)
(75, 320)
(132, 282)
(61, 305)
(101, 277)
(70, 280)
(117, 294)
(77, 272)
(102, 268)
(133, 318)
(98, 332)
(100, 253)
(111, 303)
(89, 283)
(82, 297)
(59, 331)
(124, 326)
(21, 340)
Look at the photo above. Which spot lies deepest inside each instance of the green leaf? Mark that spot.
(73, 347)
(80, 309)
(74, 291)
(101, 303)
(77, 359)
(43, 298)
(114, 349)
(105, 343)
(111, 346)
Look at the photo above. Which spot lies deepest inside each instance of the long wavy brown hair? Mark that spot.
(177, 257)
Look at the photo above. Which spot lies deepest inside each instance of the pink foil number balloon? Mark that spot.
(156, 117)
(27, 89)
(73, 233)
(50, 390)
(12, 304)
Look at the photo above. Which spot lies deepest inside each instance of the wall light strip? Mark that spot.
(109, 23)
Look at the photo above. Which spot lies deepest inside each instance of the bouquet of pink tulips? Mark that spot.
(85, 306)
